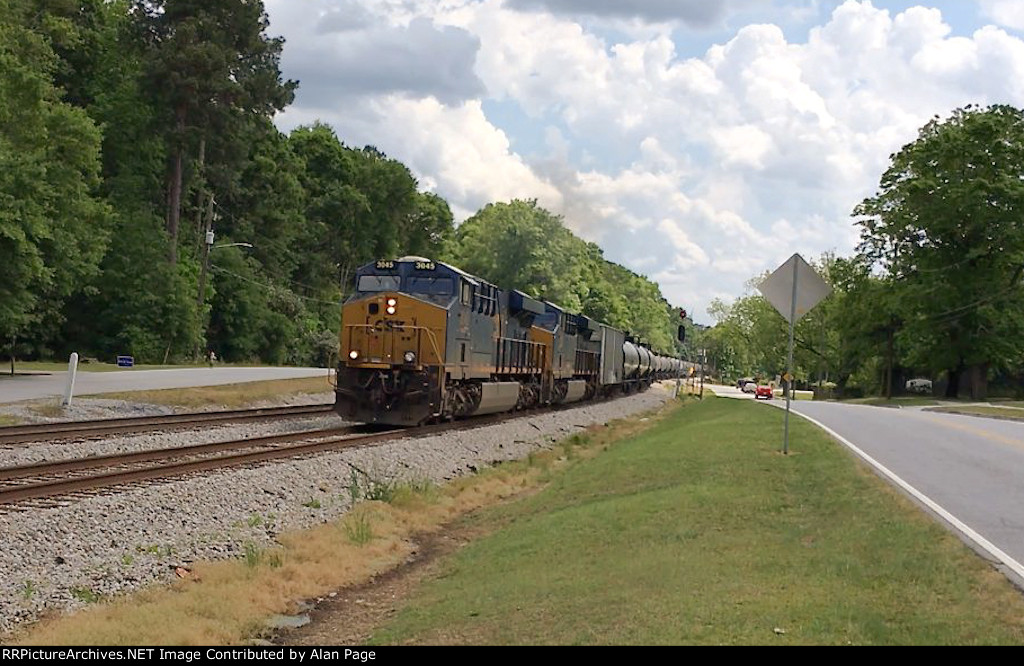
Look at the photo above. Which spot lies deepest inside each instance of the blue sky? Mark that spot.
(700, 144)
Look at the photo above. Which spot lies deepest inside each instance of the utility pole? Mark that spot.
(201, 296)
(207, 247)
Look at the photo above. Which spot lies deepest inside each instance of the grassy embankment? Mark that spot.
(690, 528)
(226, 395)
(699, 532)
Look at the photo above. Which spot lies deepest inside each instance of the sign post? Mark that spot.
(794, 289)
(69, 392)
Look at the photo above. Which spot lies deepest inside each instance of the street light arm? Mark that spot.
(214, 247)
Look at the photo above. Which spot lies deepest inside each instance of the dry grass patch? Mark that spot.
(228, 602)
(227, 395)
(50, 409)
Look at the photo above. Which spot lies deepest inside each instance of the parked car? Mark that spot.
(919, 386)
(743, 382)
(765, 392)
(749, 387)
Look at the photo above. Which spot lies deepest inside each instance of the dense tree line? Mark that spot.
(519, 245)
(132, 129)
(936, 288)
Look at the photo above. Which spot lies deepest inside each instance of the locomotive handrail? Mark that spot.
(533, 359)
(430, 335)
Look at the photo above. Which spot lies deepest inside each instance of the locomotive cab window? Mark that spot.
(467, 293)
(440, 286)
(374, 283)
(548, 321)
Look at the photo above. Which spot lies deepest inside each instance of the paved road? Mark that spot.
(973, 468)
(13, 389)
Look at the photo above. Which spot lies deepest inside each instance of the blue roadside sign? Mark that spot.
(125, 361)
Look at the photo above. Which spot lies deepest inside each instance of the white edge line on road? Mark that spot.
(979, 540)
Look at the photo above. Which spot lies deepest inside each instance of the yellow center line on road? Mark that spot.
(936, 417)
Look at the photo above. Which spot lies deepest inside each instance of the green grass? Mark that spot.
(1005, 413)
(699, 532)
(227, 395)
(7, 420)
(908, 401)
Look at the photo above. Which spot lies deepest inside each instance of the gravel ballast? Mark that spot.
(64, 558)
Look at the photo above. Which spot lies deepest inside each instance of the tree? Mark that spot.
(945, 230)
(210, 67)
(428, 226)
(519, 245)
(53, 228)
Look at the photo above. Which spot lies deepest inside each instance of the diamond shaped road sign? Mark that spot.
(809, 289)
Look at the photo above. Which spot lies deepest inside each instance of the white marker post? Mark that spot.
(794, 289)
(72, 371)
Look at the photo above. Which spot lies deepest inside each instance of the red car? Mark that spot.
(764, 392)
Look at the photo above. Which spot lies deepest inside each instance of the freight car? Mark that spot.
(423, 341)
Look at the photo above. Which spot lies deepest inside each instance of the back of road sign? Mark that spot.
(810, 288)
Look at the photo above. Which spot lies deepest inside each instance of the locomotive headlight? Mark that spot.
(392, 302)
(353, 354)
(391, 310)
(410, 357)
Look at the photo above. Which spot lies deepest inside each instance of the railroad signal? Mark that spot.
(682, 314)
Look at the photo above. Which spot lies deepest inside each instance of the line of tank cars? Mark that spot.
(423, 341)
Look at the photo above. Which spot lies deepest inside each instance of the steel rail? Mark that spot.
(47, 489)
(94, 462)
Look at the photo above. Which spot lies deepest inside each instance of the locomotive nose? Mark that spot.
(395, 346)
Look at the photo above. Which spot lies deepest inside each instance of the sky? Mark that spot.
(698, 143)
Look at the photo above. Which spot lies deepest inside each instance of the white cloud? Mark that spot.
(352, 52)
(703, 171)
(700, 13)
(1009, 13)
(744, 145)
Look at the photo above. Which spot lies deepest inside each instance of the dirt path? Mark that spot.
(352, 614)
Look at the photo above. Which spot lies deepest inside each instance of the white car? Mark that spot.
(749, 387)
(919, 386)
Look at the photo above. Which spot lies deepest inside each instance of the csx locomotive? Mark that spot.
(424, 341)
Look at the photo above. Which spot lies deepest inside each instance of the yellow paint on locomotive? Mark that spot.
(382, 340)
(546, 338)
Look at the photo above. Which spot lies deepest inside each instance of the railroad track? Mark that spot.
(48, 481)
(79, 430)
(65, 477)
(72, 477)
